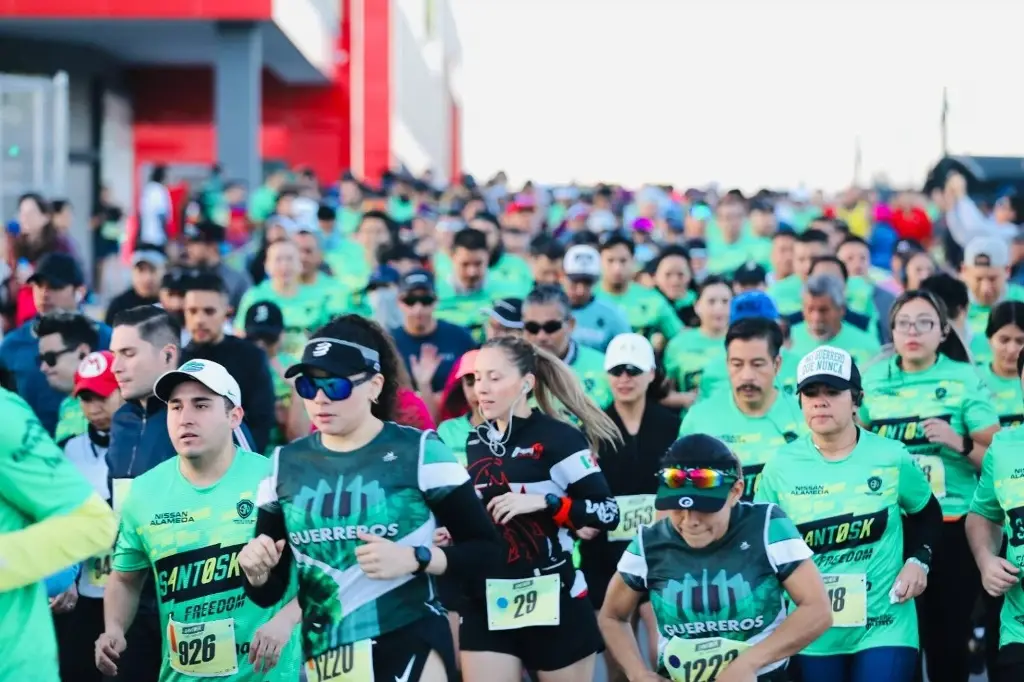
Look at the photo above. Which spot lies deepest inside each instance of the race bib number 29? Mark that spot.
(514, 604)
(346, 663)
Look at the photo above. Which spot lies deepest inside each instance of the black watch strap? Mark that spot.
(423, 556)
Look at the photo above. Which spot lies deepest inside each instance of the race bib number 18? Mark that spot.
(346, 663)
(700, 660)
(935, 470)
(203, 649)
(848, 594)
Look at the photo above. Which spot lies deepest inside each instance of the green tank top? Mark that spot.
(731, 589)
(385, 488)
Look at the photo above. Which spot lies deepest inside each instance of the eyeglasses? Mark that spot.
(631, 370)
(335, 388)
(424, 299)
(51, 357)
(921, 325)
(549, 327)
(702, 479)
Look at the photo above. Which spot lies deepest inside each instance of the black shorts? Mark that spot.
(543, 648)
(402, 654)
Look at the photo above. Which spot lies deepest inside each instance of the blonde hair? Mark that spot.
(557, 385)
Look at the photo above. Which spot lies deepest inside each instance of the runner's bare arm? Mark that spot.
(121, 600)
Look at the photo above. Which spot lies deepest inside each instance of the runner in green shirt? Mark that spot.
(929, 398)
(647, 311)
(788, 292)
(1005, 334)
(719, 573)
(468, 289)
(184, 522)
(853, 495)
(305, 307)
(754, 417)
(985, 270)
(824, 305)
(354, 509)
(693, 350)
(50, 519)
(996, 524)
(953, 293)
(548, 323)
(352, 260)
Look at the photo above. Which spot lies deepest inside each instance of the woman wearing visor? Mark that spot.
(718, 572)
(354, 508)
(853, 495)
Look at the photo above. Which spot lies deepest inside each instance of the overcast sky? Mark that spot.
(745, 93)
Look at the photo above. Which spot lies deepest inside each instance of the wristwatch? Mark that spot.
(553, 502)
(423, 556)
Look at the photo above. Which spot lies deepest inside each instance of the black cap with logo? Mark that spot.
(335, 357)
(264, 318)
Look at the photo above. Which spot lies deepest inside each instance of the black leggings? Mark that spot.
(944, 610)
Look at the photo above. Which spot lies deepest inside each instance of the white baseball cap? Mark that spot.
(582, 260)
(830, 366)
(629, 349)
(206, 372)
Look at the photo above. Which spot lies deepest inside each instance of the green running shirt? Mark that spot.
(848, 512)
(1000, 499)
(896, 402)
(386, 488)
(1007, 397)
(687, 357)
(753, 439)
(190, 538)
(731, 589)
(647, 311)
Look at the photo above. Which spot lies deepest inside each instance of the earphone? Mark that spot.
(526, 387)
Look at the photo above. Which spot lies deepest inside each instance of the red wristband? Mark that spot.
(562, 515)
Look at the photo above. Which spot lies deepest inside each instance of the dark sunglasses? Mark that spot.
(549, 327)
(51, 357)
(424, 299)
(631, 370)
(335, 388)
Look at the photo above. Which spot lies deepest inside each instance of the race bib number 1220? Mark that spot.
(346, 663)
(700, 660)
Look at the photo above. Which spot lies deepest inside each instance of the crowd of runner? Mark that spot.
(399, 432)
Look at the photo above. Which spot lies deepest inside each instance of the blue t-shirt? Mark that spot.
(450, 340)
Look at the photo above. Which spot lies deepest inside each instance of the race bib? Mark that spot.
(848, 594)
(935, 470)
(634, 511)
(346, 663)
(514, 604)
(119, 489)
(97, 570)
(203, 649)
(700, 660)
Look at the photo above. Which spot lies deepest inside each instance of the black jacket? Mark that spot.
(249, 366)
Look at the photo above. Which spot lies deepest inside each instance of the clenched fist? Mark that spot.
(258, 557)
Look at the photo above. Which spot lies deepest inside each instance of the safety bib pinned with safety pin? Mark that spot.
(203, 649)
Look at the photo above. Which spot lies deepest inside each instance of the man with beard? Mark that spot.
(206, 309)
(755, 418)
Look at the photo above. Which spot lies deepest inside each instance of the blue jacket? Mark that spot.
(139, 439)
(18, 353)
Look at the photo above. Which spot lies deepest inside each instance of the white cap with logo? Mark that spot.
(830, 366)
(207, 372)
(629, 349)
(582, 260)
